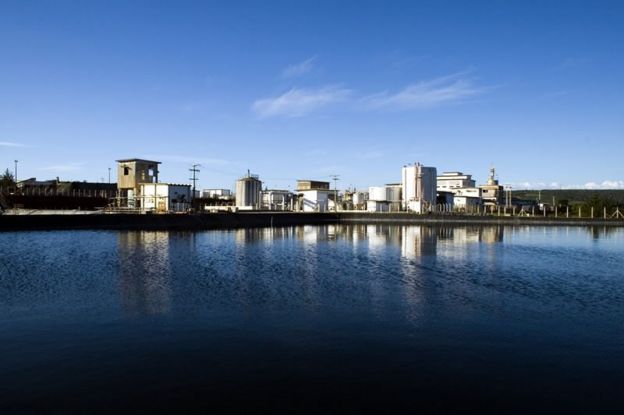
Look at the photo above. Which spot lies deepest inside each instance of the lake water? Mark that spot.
(334, 318)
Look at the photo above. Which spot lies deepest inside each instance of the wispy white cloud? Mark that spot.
(606, 184)
(299, 69)
(426, 94)
(11, 144)
(61, 168)
(298, 102)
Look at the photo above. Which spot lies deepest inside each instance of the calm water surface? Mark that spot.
(326, 319)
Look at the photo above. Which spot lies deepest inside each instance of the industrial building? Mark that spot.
(216, 193)
(492, 193)
(275, 199)
(419, 185)
(464, 193)
(312, 196)
(131, 174)
(359, 199)
(448, 181)
(248, 190)
(465, 199)
(384, 198)
(165, 197)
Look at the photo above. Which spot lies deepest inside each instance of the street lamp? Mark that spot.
(335, 178)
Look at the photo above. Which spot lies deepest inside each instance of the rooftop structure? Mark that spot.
(492, 193)
(312, 185)
(131, 174)
(454, 180)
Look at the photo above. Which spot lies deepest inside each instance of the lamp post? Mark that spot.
(15, 174)
(335, 178)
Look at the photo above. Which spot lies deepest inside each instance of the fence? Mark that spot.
(50, 191)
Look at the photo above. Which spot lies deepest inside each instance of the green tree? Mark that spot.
(7, 180)
(599, 203)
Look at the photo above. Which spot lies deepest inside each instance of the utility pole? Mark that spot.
(15, 171)
(109, 169)
(335, 179)
(194, 170)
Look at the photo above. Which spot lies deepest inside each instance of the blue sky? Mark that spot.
(302, 89)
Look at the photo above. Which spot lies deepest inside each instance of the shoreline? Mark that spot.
(207, 221)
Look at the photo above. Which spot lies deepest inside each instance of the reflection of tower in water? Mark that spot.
(144, 272)
(418, 241)
(379, 236)
(491, 234)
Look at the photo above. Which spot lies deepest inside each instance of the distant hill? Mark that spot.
(573, 196)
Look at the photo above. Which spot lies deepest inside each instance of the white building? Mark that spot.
(217, 193)
(314, 200)
(273, 199)
(419, 188)
(165, 197)
(313, 196)
(384, 198)
(359, 200)
(449, 181)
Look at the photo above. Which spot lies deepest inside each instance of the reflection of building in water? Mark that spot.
(470, 234)
(311, 234)
(381, 235)
(418, 241)
(491, 234)
(244, 236)
(144, 272)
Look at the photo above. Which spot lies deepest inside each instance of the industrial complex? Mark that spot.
(139, 189)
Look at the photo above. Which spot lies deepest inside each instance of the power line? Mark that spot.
(194, 170)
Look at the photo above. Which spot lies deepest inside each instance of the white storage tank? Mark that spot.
(377, 193)
(248, 190)
(393, 193)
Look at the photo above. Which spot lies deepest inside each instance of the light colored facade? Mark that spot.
(465, 202)
(273, 199)
(312, 185)
(377, 206)
(248, 190)
(359, 200)
(165, 197)
(313, 200)
(217, 193)
(449, 181)
(131, 174)
(466, 198)
(384, 198)
(313, 195)
(419, 188)
(492, 193)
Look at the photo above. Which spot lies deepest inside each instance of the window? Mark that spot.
(126, 171)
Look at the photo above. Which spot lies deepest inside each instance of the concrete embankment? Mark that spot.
(162, 222)
(265, 219)
(409, 218)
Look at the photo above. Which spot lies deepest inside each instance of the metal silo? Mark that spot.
(248, 190)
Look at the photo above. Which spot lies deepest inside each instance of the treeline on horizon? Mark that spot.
(597, 199)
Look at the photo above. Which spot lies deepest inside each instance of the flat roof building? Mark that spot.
(454, 180)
